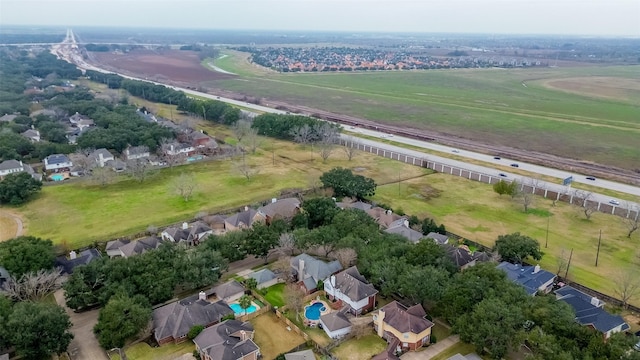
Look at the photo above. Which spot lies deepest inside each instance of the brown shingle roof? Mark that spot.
(406, 320)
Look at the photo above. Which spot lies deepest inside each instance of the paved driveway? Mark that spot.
(84, 344)
(432, 350)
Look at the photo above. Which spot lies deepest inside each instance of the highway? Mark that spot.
(68, 51)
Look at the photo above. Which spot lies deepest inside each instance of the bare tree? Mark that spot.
(282, 266)
(562, 262)
(627, 285)
(245, 169)
(525, 197)
(587, 205)
(346, 256)
(326, 132)
(102, 176)
(287, 243)
(350, 148)
(241, 128)
(302, 134)
(293, 297)
(325, 149)
(33, 286)
(184, 185)
(82, 161)
(632, 221)
(139, 169)
(251, 140)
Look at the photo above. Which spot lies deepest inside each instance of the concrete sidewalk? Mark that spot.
(432, 350)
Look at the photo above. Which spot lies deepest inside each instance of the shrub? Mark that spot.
(195, 331)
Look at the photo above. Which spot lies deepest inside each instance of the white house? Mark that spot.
(335, 324)
(136, 152)
(101, 157)
(352, 289)
(10, 167)
(56, 162)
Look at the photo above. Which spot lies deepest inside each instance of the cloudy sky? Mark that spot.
(571, 17)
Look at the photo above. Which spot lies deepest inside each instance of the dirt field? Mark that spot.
(176, 65)
(600, 87)
(10, 225)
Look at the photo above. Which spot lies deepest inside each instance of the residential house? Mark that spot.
(354, 205)
(57, 162)
(230, 340)
(140, 246)
(383, 217)
(284, 209)
(176, 149)
(10, 167)
(216, 223)
(241, 220)
(200, 140)
(352, 289)
(401, 227)
(590, 311)
(101, 157)
(532, 278)
(31, 134)
(335, 324)
(229, 292)
(8, 117)
(85, 124)
(310, 271)
(136, 152)
(67, 264)
(409, 326)
(172, 322)
(190, 235)
(264, 278)
(300, 355)
(77, 117)
(460, 256)
(438, 238)
(176, 234)
(45, 112)
(113, 247)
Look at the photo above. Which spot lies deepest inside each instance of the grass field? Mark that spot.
(142, 351)
(8, 227)
(473, 211)
(275, 295)
(360, 349)
(272, 336)
(574, 118)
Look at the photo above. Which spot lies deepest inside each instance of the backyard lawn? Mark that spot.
(360, 349)
(272, 336)
(458, 348)
(142, 351)
(275, 295)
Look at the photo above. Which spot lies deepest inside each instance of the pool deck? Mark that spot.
(242, 314)
(312, 323)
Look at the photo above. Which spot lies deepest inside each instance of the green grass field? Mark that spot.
(492, 105)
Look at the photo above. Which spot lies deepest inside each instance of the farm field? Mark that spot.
(474, 211)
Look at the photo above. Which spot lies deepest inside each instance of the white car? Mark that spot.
(614, 202)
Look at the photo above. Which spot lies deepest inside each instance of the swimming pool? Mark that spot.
(239, 311)
(57, 177)
(312, 312)
(195, 158)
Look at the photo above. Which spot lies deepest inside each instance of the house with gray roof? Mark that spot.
(140, 246)
(335, 324)
(383, 217)
(590, 312)
(532, 278)
(101, 156)
(31, 134)
(229, 340)
(57, 162)
(8, 117)
(188, 234)
(172, 322)
(10, 167)
(241, 220)
(67, 264)
(352, 289)
(438, 238)
(284, 209)
(229, 291)
(460, 256)
(113, 247)
(264, 278)
(405, 231)
(136, 152)
(300, 355)
(354, 205)
(309, 270)
(408, 326)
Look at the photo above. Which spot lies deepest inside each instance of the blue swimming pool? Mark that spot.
(195, 158)
(238, 311)
(312, 312)
(57, 177)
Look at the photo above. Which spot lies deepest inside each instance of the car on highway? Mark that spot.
(503, 174)
(496, 157)
(515, 165)
(455, 151)
(591, 178)
(614, 202)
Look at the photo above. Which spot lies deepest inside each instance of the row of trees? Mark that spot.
(302, 129)
(18, 188)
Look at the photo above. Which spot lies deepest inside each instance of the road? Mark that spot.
(68, 51)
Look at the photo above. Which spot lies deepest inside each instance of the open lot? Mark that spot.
(8, 225)
(360, 349)
(142, 351)
(272, 336)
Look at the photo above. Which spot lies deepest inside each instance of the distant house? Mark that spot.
(532, 278)
(230, 340)
(408, 326)
(172, 322)
(229, 291)
(300, 355)
(8, 117)
(101, 156)
(176, 148)
(10, 167)
(77, 117)
(188, 234)
(310, 271)
(44, 112)
(354, 205)
(590, 312)
(113, 247)
(283, 209)
(136, 152)
(31, 134)
(216, 223)
(241, 220)
(74, 260)
(200, 140)
(335, 324)
(438, 238)
(460, 256)
(402, 228)
(84, 124)
(264, 278)
(351, 288)
(139, 246)
(57, 162)
(383, 217)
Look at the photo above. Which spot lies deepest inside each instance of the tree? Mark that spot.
(260, 240)
(194, 331)
(16, 189)
(632, 222)
(346, 256)
(350, 148)
(293, 297)
(121, 319)
(5, 311)
(245, 302)
(325, 150)
(287, 243)
(102, 176)
(33, 286)
(251, 140)
(345, 183)
(39, 329)
(319, 211)
(26, 254)
(282, 266)
(627, 285)
(139, 169)
(302, 134)
(524, 197)
(243, 168)
(587, 205)
(501, 187)
(516, 247)
(251, 283)
(241, 128)
(184, 185)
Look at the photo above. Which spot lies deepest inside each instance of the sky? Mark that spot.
(560, 17)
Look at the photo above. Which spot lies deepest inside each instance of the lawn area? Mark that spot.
(272, 336)
(474, 211)
(460, 347)
(142, 351)
(440, 331)
(275, 295)
(8, 226)
(360, 349)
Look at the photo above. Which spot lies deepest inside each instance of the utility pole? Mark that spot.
(566, 273)
(598, 253)
(546, 241)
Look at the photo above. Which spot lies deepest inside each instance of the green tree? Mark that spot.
(345, 183)
(26, 254)
(121, 319)
(319, 211)
(245, 302)
(16, 189)
(194, 331)
(39, 330)
(251, 283)
(516, 247)
(5, 311)
(260, 240)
